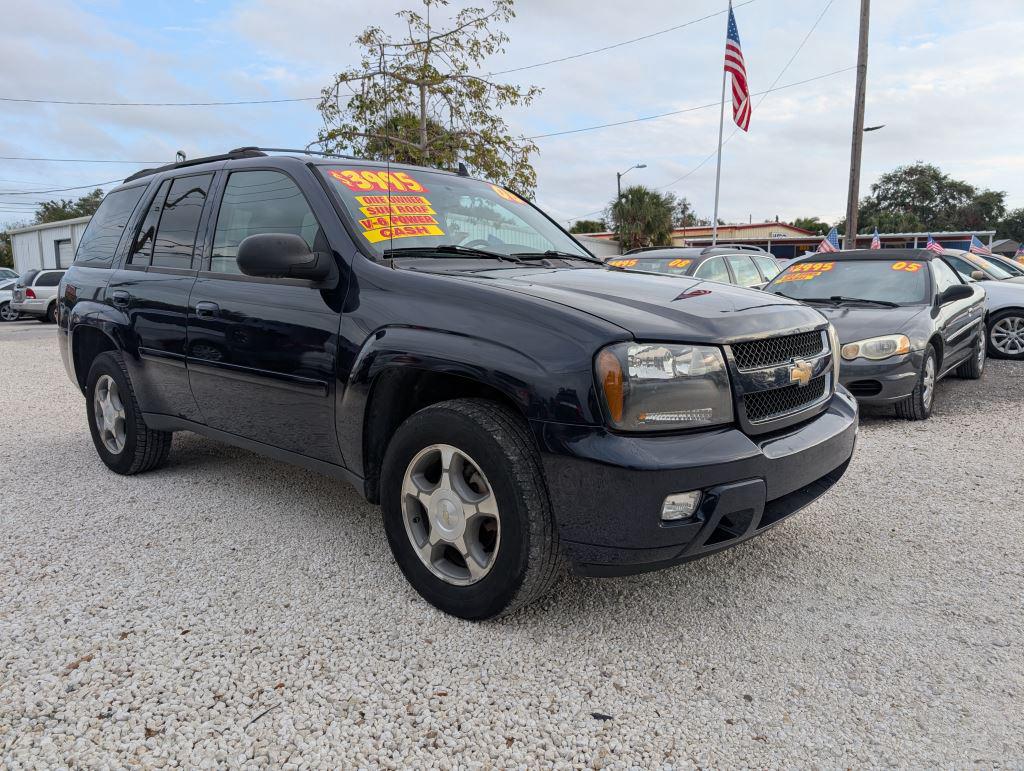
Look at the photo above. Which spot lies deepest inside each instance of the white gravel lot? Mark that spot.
(229, 610)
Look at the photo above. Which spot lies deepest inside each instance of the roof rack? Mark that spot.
(307, 151)
(737, 247)
(640, 249)
(241, 152)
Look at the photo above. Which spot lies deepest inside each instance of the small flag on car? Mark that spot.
(979, 248)
(934, 245)
(1019, 254)
(830, 242)
(876, 242)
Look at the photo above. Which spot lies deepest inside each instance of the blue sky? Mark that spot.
(942, 77)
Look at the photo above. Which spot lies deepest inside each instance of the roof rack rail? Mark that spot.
(300, 152)
(639, 249)
(738, 247)
(241, 152)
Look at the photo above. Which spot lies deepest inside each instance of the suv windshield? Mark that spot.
(903, 282)
(419, 209)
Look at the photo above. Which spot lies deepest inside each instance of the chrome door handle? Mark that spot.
(121, 298)
(207, 310)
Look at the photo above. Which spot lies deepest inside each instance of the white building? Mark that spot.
(51, 245)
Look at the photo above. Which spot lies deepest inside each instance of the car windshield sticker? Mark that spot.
(364, 180)
(805, 271)
(622, 263)
(508, 196)
(680, 263)
(907, 267)
(396, 216)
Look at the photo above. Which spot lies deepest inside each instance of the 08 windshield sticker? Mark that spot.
(805, 271)
(396, 216)
(680, 263)
(365, 180)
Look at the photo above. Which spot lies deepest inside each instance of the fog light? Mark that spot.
(680, 506)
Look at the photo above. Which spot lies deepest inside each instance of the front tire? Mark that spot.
(123, 440)
(1006, 335)
(918, 406)
(974, 367)
(466, 509)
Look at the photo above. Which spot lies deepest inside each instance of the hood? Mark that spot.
(654, 307)
(858, 322)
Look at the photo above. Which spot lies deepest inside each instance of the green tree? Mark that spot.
(6, 253)
(813, 224)
(921, 197)
(1012, 225)
(63, 209)
(426, 88)
(684, 215)
(642, 217)
(588, 226)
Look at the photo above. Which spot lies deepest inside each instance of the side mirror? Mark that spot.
(283, 255)
(954, 293)
(979, 275)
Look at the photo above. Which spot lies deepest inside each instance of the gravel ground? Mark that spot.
(229, 610)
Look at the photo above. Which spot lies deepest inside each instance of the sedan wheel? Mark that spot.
(1007, 336)
(928, 383)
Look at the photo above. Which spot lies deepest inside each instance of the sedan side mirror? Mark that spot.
(283, 255)
(954, 293)
(979, 275)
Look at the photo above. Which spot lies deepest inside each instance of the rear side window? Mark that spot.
(101, 237)
(744, 270)
(769, 267)
(49, 278)
(259, 202)
(713, 269)
(179, 221)
(142, 249)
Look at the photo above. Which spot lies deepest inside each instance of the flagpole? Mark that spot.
(721, 128)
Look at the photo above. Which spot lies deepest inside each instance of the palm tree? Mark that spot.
(642, 217)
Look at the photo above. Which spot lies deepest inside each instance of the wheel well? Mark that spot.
(936, 342)
(87, 344)
(397, 394)
(1000, 311)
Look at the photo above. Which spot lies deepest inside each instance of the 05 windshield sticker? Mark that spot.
(396, 216)
(906, 267)
(805, 271)
(622, 263)
(364, 180)
(507, 195)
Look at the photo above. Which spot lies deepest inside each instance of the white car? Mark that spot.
(7, 313)
(35, 293)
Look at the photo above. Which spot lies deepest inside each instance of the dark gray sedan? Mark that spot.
(905, 319)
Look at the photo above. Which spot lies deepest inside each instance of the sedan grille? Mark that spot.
(773, 351)
(765, 405)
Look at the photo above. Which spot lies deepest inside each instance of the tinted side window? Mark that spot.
(769, 267)
(49, 278)
(945, 277)
(259, 202)
(142, 249)
(99, 242)
(714, 269)
(962, 266)
(744, 270)
(179, 222)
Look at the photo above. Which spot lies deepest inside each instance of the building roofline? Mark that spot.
(45, 225)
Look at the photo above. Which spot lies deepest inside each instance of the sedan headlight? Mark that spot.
(661, 386)
(877, 348)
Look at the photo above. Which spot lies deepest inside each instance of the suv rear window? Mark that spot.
(25, 279)
(101, 237)
(50, 278)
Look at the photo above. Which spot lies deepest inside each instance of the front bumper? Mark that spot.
(607, 489)
(882, 382)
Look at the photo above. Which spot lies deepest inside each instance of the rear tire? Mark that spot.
(7, 313)
(1005, 335)
(974, 367)
(122, 439)
(51, 313)
(918, 406)
(490, 446)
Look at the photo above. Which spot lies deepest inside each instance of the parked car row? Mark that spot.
(33, 293)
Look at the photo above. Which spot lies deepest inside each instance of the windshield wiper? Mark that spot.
(447, 249)
(838, 299)
(555, 253)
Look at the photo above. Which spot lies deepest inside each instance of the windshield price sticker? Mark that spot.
(622, 263)
(383, 205)
(680, 263)
(805, 271)
(363, 180)
(508, 196)
(907, 267)
(407, 216)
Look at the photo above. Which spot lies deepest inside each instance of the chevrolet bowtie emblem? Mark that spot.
(800, 372)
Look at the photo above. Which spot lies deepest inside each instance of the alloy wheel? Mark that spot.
(1007, 335)
(109, 414)
(928, 382)
(7, 313)
(451, 514)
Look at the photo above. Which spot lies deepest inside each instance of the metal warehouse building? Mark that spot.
(51, 245)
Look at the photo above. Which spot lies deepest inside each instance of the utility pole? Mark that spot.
(858, 128)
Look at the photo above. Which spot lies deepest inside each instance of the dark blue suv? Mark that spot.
(439, 342)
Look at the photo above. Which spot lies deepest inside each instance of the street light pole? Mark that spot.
(858, 128)
(618, 186)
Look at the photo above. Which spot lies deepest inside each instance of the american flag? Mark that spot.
(1019, 254)
(735, 66)
(979, 248)
(934, 245)
(830, 242)
(876, 242)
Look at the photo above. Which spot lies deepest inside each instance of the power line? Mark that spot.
(58, 189)
(74, 160)
(88, 103)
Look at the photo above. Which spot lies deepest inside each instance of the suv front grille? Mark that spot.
(773, 351)
(765, 405)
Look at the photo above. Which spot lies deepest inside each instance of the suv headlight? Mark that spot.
(877, 348)
(662, 386)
